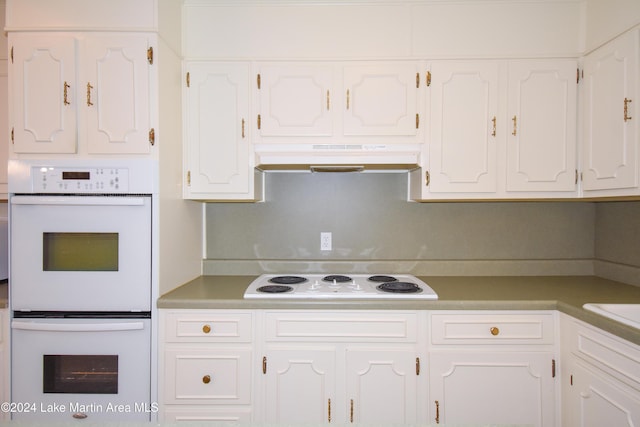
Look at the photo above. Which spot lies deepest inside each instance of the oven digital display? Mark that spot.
(76, 175)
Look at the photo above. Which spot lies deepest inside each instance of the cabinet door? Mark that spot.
(596, 400)
(463, 143)
(217, 146)
(610, 138)
(382, 386)
(114, 94)
(494, 388)
(541, 140)
(381, 99)
(43, 93)
(300, 385)
(295, 100)
(4, 127)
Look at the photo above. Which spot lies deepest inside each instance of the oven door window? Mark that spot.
(80, 251)
(81, 374)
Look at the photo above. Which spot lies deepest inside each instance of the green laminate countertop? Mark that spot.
(564, 293)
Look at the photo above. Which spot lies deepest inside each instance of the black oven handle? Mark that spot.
(77, 327)
(78, 200)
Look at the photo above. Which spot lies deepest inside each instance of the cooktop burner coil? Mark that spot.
(287, 280)
(400, 287)
(382, 279)
(275, 289)
(338, 278)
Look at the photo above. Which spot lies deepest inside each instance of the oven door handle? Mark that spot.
(78, 200)
(77, 327)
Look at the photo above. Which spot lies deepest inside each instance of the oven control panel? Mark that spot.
(47, 179)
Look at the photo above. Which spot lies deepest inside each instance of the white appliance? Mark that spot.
(4, 248)
(340, 286)
(81, 288)
(81, 368)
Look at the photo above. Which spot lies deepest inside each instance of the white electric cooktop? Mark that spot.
(339, 286)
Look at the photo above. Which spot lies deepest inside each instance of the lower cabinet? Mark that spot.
(343, 367)
(385, 367)
(496, 368)
(207, 366)
(601, 379)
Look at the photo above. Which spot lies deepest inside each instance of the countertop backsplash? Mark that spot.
(375, 229)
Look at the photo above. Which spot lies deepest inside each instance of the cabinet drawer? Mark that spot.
(342, 326)
(223, 416)
(493, 328)
(618, 357)
(208, 326)
(208, 375)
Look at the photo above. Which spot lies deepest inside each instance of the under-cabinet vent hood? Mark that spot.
(338, 157)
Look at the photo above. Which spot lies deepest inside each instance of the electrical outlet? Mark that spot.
(325, 241)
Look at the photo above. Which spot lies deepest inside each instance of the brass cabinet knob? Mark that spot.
(206, 329)
(495, 331)
(206, 379)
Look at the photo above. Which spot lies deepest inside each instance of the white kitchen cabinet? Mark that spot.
(295, 100)
(334, 102)
(355, 366)
(610, 123)
(381, 99)
(600, 381)
(496, 368)
(80, 93)
(217, 149)
(206, 364)
(463, 143)
(541, 126)
(4, 128)
(499, 129)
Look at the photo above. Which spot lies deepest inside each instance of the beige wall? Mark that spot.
(617, 237)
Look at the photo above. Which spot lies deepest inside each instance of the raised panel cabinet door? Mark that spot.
(541, 128)
(114, 106)
(295, 100)
(494, 388)
(217, 147)
(463, 143)
(381, 99)
(382, 386)
(595, 400)
(42, 93)
(610, 144)
(300, 385)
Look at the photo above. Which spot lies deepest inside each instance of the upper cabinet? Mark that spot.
(338, 100)
(381, 99)
(463, 106)
(80, 93)
(610, 126)
(541, 126)
(337, 113)
(217, 147)
(500, 129)
(295, 100)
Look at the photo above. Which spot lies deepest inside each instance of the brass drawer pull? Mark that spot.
(495, 331)
(206, 329)
(206, 379)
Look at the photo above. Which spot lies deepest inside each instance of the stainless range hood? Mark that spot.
(338, 158)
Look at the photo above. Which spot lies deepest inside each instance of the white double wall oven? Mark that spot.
(81, 289)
